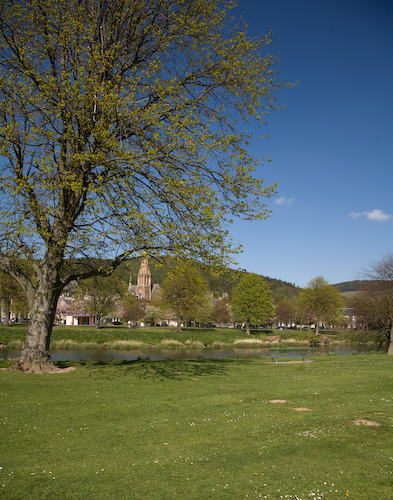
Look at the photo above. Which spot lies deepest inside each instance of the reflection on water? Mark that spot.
(157, 354)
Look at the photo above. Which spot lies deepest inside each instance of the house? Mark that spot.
(80, 319)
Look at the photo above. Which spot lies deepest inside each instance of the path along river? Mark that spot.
(225, 352)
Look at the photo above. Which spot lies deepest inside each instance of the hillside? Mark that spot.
(348, 286)
(218, 285)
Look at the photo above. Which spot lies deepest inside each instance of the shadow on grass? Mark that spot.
(162, 370)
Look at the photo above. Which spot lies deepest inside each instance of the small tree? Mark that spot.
(303, 314)
(322, 300)
(184, 291)
(12, 297)
(153, 315)
(374, 305)
(203, 314)
(98, 295)
(65, 307)
(252, 301)
(221, 312)
(132, 308)
(285, 311)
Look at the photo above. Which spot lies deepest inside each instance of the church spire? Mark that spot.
(144, 280)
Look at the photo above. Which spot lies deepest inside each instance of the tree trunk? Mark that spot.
(248, 329)
(35, 356)
(390, 348)
(6, 312)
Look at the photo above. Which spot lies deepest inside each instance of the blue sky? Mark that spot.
(332, 145)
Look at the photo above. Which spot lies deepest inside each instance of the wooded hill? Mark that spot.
(219, 285)
(348, 286)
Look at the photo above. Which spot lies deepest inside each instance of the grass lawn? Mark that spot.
(207, 429)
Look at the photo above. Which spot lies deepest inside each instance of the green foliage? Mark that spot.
(98, 295)
(348, 286)
(285, 311)
(159, 269)
(282, 289)
(83, 434)
(12, 297)
(154, 314)
(252, 301)
(122, 132)
(186, 294)
(132, 308)
(222, 312)
(220, 280)
(321, 300)
(132, 102)
(228, 279)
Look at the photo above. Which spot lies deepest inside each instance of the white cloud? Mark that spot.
(357, 214)
(378, 215)
(374, 215)
(283, 201)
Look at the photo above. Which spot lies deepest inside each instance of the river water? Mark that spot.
(294, 351)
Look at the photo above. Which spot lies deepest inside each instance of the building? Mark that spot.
(144, 289)
(80, 320)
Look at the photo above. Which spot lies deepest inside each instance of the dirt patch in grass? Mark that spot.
(278, 401)
(302, 408)
(368, 423)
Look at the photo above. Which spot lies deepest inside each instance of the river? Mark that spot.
(293, 351)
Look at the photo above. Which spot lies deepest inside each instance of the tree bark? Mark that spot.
(6, 311)
(35, 355)
(390, 348)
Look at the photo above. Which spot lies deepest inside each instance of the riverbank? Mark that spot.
(124, 338)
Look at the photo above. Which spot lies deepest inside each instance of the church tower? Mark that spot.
(144, 281)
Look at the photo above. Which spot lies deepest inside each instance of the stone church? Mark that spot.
(144, 289)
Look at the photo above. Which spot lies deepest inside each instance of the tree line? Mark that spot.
(185, 296)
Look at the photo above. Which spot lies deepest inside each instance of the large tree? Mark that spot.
(322, 300)
(122, 132)
(252, 302)
(185, 293)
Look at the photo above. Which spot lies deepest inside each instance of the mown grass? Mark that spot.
(202, 429)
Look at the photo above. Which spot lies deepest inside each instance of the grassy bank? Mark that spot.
(208, 429)
(120, 337)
